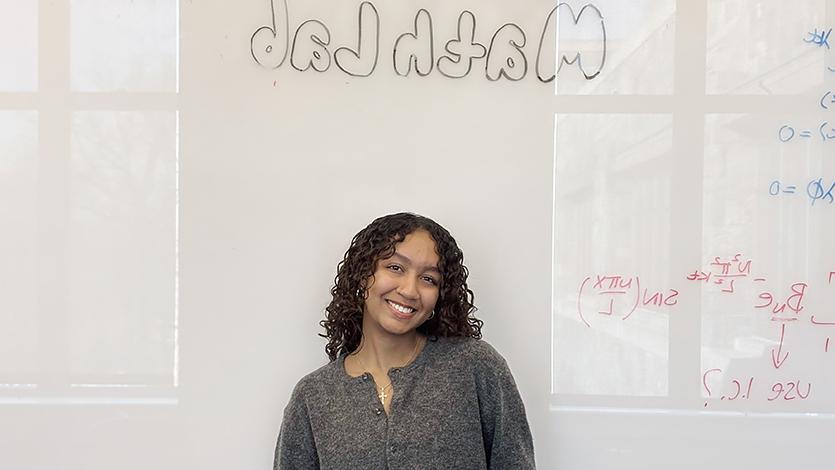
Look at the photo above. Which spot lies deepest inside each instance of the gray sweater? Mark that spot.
(454, 407)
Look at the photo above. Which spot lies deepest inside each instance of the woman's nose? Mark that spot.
(408, 287)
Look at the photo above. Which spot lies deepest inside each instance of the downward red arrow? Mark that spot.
(775, 354)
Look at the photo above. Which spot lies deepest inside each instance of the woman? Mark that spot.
(410, 383)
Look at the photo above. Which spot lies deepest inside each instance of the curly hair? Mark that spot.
(343, 319)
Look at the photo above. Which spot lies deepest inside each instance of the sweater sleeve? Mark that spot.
(296, 447)
(508, 443)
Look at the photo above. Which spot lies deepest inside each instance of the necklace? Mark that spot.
(382, 395)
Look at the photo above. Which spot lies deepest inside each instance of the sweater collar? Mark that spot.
(422, 358)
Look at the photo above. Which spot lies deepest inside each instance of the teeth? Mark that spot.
(400, 308)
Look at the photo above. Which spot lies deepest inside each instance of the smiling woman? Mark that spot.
(410, 383)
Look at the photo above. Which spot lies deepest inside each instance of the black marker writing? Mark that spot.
(268, 44)
(415, 50)
(464, 52)
(363, 61)
(313, 53)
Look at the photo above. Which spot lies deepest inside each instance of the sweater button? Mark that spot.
(378, 411)
(364, 377)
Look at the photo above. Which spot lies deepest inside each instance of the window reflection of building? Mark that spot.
(92, 196)
(749, 51)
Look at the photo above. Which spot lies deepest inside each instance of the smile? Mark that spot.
(400, 308)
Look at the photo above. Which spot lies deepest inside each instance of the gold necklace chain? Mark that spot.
(382, 395)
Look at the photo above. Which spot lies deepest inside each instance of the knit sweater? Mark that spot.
(456, 406)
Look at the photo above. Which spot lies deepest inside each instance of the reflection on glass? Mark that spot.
(18, 46)
(758, 48)
(612, 225)
(18, 245)
(767, 262)
(122, 45)
(639, 44)
(122, 248)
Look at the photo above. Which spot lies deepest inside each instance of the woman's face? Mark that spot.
(405, 287)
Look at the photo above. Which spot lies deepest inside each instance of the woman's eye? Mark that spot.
(397, 268)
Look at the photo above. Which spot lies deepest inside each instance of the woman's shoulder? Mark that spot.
(316, 379)
(479, 357)
(477, 351)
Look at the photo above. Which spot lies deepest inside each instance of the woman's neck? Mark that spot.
(380, 353)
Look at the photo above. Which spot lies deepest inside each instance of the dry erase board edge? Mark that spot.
(18, 401)
(687, 413)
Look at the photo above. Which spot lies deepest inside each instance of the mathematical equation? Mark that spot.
(825, 131)
(784, 306)
(619, 296)
(820, 189)
(816, 190)
(616, 297)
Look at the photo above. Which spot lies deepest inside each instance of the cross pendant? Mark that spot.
(383, 396)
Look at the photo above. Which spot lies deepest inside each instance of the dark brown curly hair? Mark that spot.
(343, 319)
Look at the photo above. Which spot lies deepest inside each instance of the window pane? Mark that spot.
(639, 44)
(758, 48)
(18, 45)
(122, 247)
(612, 285)
(18, 244)
(122, 45)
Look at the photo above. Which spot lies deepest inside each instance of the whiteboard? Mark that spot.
(642, 190)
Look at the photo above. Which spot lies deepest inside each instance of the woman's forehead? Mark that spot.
(418, 243)
(416, 248)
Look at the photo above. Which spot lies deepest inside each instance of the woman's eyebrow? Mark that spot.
(408, 261)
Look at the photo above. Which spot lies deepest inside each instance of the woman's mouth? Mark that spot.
(401, 311)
